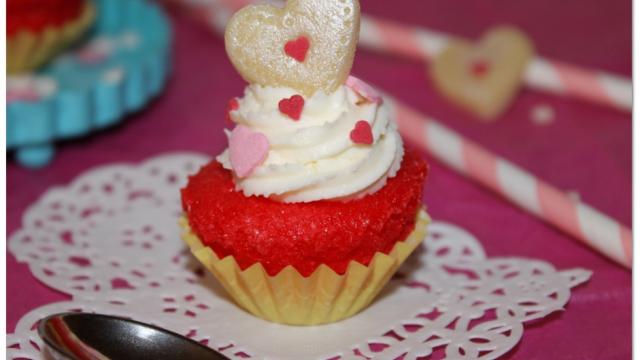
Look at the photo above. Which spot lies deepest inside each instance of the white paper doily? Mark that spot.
(110, 240)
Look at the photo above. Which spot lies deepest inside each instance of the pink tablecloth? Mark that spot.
(586, 149)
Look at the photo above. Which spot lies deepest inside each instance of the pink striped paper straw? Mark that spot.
(541, 74)
(519, 186)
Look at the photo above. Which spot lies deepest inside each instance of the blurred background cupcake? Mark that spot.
(39, 29)
(75, 67)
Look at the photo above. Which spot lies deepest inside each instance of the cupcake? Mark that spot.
(38, 29)
(316, 202)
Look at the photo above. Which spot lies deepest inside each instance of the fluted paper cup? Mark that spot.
(290, 298)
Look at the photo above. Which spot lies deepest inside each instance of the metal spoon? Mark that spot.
(83, 336)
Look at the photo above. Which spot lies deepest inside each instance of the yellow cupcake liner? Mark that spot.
(26, 51)
(293, 299)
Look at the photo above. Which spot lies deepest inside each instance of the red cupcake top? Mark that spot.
(304, 235)
(36, 15)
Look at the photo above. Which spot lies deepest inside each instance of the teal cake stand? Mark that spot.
(122, 64)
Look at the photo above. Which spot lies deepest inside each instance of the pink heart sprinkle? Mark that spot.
(91, 56)
(363, 89)
(247, 150)
(27, 95)
(361, 133)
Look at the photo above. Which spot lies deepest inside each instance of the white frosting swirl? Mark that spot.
(314, 158)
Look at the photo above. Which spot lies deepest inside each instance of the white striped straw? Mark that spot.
(541, 74)
(515, 184)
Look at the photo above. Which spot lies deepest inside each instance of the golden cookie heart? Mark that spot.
(308, 45)
(483, 78)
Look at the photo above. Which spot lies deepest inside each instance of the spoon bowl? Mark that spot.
(84, 336)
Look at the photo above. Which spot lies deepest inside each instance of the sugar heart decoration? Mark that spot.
(232, 105)
(297, 48)
(91, 57)
(479, 67)
(26, 95)
(247, 150)
(361, 133)
(292, 107)
(258, 36)
(483, 78)
(363, 89)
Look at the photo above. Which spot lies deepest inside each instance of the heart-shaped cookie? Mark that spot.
(483, 78)
(308, 45)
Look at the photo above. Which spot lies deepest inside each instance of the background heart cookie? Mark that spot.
(483, 77)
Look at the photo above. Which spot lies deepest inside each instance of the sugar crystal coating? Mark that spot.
(257, 35)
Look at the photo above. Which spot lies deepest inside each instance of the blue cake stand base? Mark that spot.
(116, 70)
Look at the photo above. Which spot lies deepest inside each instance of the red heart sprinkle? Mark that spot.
(479, 68)
(232, 105)
(292, 107)
(361, 133)
(297, 48)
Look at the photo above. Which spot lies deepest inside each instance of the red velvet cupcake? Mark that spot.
(316, 202)
(302, 235)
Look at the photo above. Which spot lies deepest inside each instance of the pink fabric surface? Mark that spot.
(586, 149)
